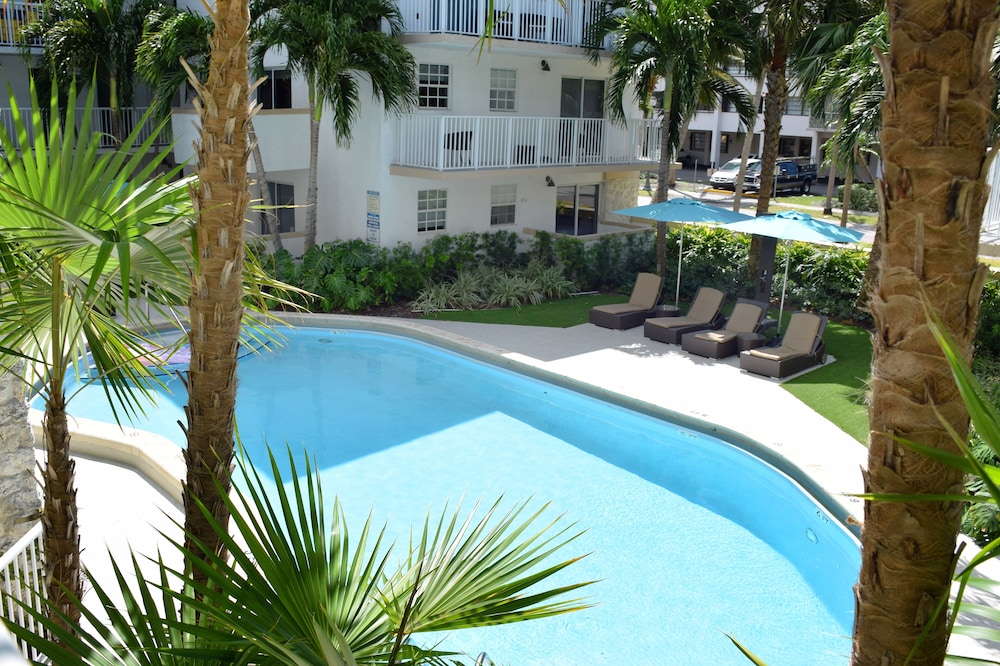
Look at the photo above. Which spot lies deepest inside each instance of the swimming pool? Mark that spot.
(691, 537)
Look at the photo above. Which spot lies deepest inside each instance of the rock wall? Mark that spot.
(19, 491)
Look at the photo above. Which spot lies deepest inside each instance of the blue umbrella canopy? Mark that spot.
(795, 226)
(684, 211)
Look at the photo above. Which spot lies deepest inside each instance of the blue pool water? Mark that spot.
(691, 538)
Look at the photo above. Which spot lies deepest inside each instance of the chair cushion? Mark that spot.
(646, 291)
(745, 318)
(717, 336)
(619, 308)
(776, 353)
(801, 334)
(706, 305)
(672, 322)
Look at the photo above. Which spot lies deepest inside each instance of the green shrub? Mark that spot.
(863, 197)
(987, 341)
(499, 248)
(827, 280)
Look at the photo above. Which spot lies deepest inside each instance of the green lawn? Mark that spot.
(836, 391)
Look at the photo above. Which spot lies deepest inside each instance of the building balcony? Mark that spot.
(100, 121)
(14, 15)
(561, 22)
(469, 143)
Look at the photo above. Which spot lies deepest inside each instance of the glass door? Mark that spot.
(577, 209)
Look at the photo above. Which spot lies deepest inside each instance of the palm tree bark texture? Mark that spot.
(935, 122)
(221, 198)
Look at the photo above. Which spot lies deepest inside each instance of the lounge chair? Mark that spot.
(703, 314)
(801, 347)
(743, 329)
(641, 304)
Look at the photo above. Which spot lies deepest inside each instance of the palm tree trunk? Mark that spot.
(831, 186)
(265, 191)
(747, 145)
(116, 112)
(845, 205)
(60, 524)
(760, 262)
(935, 120)
(662, 190)
(221, 200)
(315, 109)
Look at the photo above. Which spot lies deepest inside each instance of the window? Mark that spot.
(795, 107)
(724, 144)
(432, 86)
(698, 141)
(276, 91)
(786, 146)
(503, 84)
(503, 199)
(577, 209)
(282, 194)
(432, 206)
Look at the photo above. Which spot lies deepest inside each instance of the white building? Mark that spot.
(516, 139)
(715, 137)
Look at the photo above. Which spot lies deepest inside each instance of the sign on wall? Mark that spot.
(373, 224)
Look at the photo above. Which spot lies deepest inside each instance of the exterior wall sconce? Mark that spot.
(549, 182)
(545, 66)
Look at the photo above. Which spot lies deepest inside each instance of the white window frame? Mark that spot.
(433, 85)
(432, 210)
(503, 205)
(503, 89)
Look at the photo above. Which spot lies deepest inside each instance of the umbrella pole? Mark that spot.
(680, 258)
(784, 284)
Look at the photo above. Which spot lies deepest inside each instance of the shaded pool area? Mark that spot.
(690, 537)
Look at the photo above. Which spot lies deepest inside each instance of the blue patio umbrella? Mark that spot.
(795, 226)
(684, 211)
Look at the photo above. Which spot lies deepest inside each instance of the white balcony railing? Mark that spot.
(14, 15)
(562, 22)
(22, 578)
(100, 121)
(489, 142)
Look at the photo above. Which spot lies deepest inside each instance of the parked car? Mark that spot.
(724, 178)
(788, 175)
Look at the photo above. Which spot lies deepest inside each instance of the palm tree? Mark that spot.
(334, 44)
(82, 234)
(935, 129)
(170, 35)
(80, 37)
(683, 44)
(216, 308)
(298, 590)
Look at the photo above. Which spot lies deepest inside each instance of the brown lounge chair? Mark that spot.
(801, 347)
(743, 330)
(702, 315)
(641, 304)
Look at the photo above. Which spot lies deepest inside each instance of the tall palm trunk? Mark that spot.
(747, 145)
(831, 185)
(60, 523)
(845, 205)
(315, 112)
(934, 134)
(760, 263)
(115, 110)
(265, 191)
(221, 199)
(663, 187)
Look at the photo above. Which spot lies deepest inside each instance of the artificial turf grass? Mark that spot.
(836, 391)
(563, 313)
